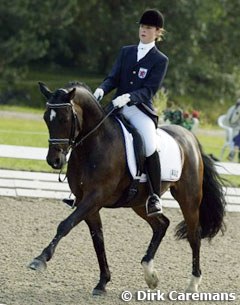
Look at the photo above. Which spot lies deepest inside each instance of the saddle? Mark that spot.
(138, 148)
(138, 145)
(169, 154)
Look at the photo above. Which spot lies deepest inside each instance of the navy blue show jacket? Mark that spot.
(141, 79)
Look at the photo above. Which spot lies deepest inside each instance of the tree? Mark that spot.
(26, 31)
(201, 41)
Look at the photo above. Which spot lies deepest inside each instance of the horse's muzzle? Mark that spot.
(56, 158)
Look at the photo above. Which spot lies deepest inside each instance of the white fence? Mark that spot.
(46, 185)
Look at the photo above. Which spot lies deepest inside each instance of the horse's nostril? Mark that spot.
(56, 164)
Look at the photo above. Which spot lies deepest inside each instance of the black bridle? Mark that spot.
(71, 141)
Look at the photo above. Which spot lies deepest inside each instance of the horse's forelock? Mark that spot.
(83, 92)
(58, 96)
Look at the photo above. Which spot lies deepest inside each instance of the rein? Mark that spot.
(94, 129)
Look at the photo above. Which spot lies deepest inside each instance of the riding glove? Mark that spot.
(121, 100)
(99, 93)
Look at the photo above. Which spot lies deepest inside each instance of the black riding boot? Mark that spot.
(154, 204)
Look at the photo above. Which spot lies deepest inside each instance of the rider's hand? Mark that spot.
(121, 100)
(99, 93)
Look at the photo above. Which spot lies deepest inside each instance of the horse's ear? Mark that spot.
(70, 95)
(44, 90)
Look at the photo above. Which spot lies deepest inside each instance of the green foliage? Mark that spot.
(27, 32)
(26, 92)
(160, 101)
(201, 41)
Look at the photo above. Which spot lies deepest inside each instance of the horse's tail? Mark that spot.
(212, 208)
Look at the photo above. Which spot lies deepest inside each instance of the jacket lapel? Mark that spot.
(145, 58)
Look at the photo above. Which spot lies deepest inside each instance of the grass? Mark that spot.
(23, 132)
(21, 109)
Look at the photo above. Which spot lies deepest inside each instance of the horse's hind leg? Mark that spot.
(159, 225)
(191, 229)
(195, 243)
(95, 227)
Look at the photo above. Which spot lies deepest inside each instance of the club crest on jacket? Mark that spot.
(142, 72)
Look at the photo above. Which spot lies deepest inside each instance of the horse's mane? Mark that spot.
(77, 84)
(81, 87)
(86, 93)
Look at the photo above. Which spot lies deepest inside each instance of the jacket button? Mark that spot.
(134, 72)
(131, 83)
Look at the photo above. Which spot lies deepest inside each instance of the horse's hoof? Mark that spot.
(194, 284)
(152, 279)
(38, 265)
(98, 292)
(150, 274)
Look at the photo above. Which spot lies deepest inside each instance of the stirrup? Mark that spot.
(69, 202)
(154, 205)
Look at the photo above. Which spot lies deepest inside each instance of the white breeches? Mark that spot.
(144, 125)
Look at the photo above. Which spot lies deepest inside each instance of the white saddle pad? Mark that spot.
(169, 153)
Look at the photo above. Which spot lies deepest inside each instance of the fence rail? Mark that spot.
(46, 185)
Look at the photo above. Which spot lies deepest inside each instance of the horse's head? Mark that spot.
(62, 124)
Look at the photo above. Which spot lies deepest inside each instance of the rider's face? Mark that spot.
(147, 33)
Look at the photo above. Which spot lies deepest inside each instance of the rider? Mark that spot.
(138, 74)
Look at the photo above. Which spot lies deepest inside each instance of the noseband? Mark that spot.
(71, 140)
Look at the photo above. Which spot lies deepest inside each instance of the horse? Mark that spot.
(97, 174)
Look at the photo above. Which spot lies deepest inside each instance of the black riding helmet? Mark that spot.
(152, 17)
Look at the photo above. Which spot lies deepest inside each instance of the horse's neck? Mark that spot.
(93, 118)
(90, 113)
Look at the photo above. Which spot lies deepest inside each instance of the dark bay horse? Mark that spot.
(97, 175)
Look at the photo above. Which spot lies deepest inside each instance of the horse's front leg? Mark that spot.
(63, 229)
(95, 227)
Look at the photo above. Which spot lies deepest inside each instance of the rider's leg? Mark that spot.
(154, 204)
(147, 130)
